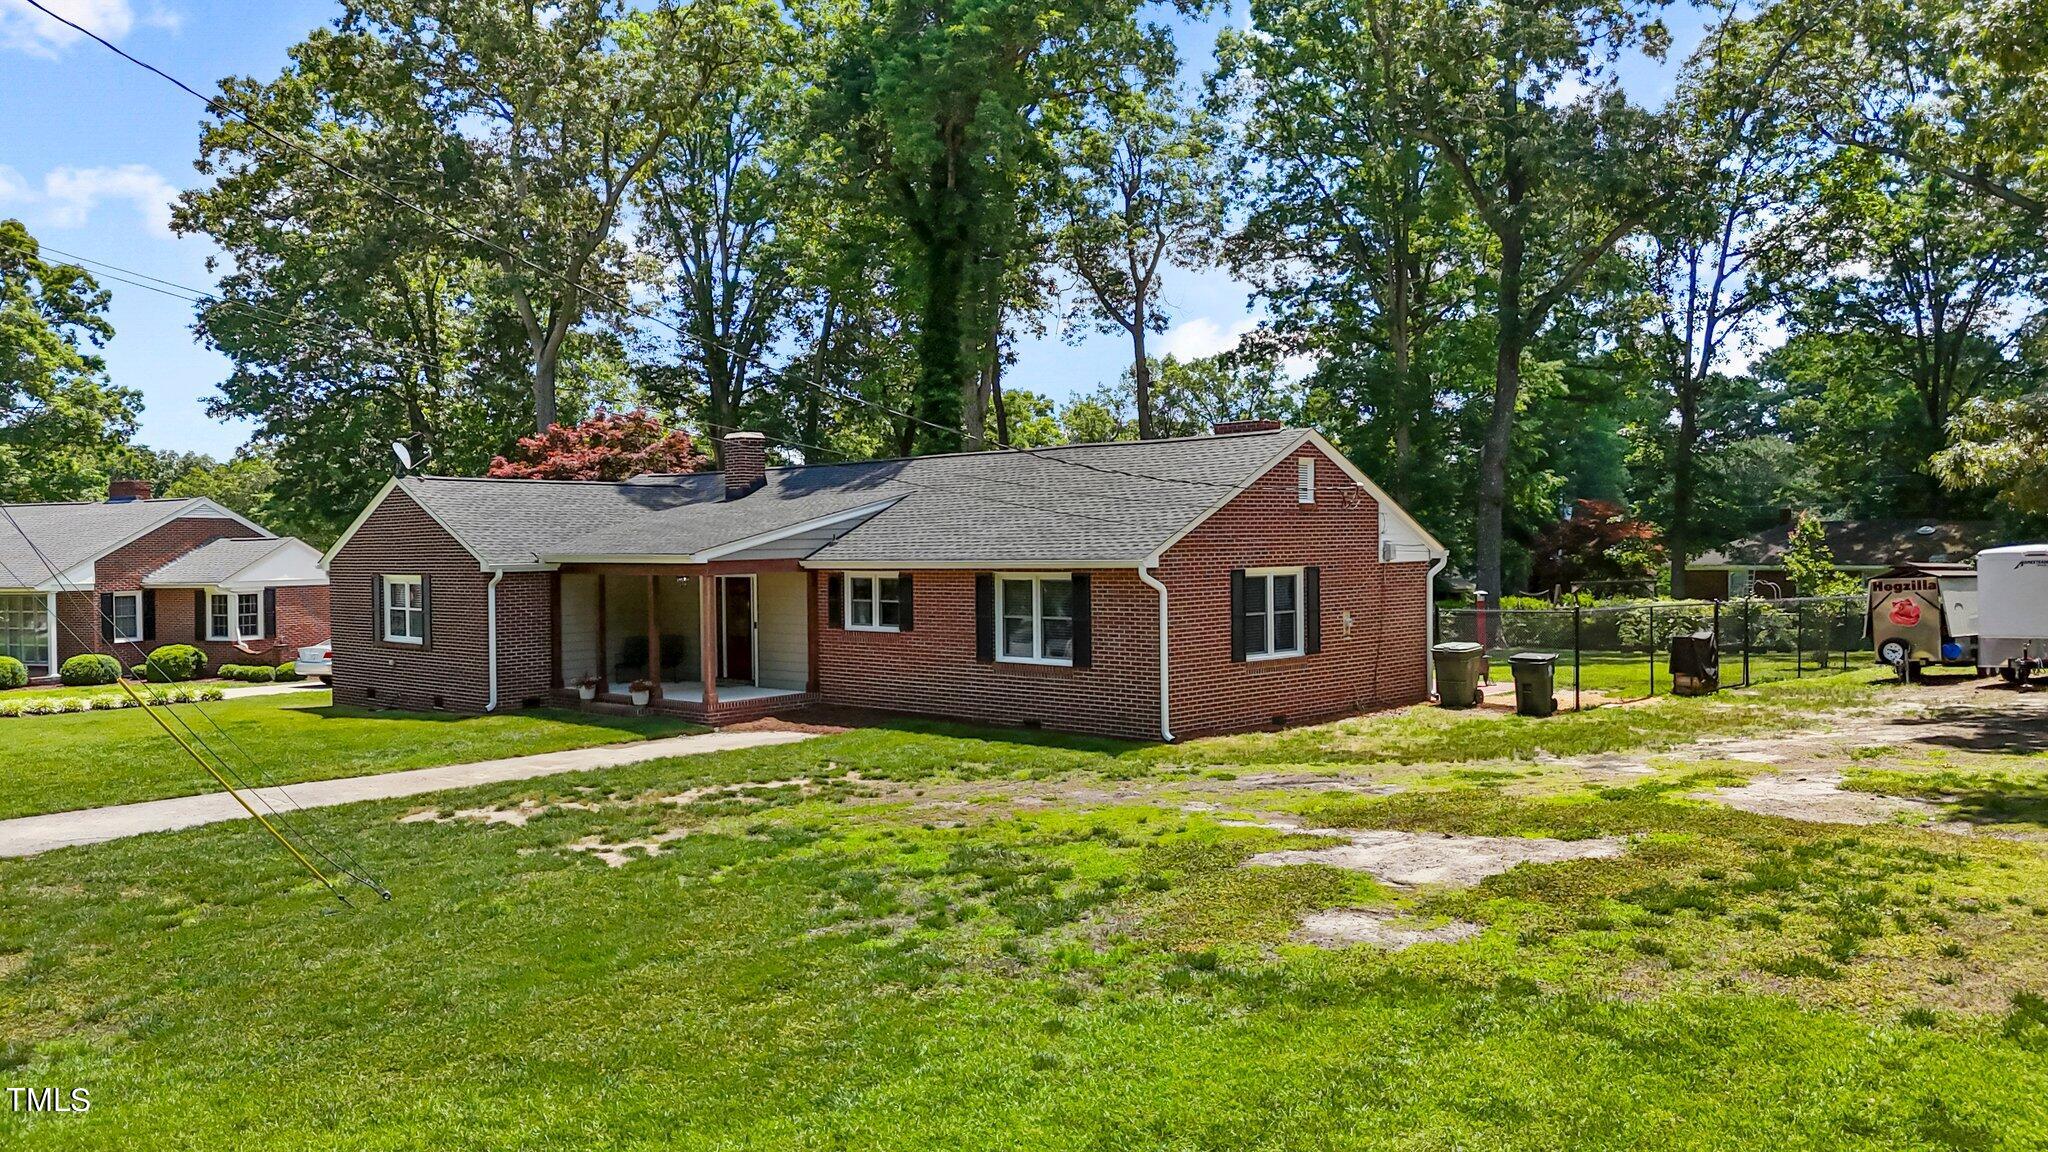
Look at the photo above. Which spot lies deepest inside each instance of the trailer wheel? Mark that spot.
(1893, 653)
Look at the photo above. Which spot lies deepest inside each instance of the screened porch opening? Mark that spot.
(25, 626)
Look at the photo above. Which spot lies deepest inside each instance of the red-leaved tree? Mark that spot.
(608, 446)
(1598, 541)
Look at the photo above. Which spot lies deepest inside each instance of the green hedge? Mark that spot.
(13, 673)
(172, 662)
(250, 673)
(88, 668)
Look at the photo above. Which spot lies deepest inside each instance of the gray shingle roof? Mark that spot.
(1863, 543)
(1090, 502)
(71, 534)
(214, 563)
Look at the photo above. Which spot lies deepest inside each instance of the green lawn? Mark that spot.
(84, 760)
(1627, 675)
(954, 939)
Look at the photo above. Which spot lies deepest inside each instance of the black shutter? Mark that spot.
(199, 609)
(149, 614)
(107, 617)
(1237, 614)
(1312, 609)
(985, 617)
(426, 611)
(905, 611)
(270, 613)
(835, 599)
(377, 607)
(1084, 622)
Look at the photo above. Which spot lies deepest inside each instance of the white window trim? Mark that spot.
(1300, 648)
(1037, 580)
(113, 611)
(257, 632)
(1305, 480)
(874, 599)
(227, 636)
(384, 606)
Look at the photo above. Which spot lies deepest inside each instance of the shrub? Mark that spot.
(13, 673)
(89, 668)
(259, 674)
(174, 662)
(287, 673)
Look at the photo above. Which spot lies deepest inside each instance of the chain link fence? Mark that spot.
(1612, 653)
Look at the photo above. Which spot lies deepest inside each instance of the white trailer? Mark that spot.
(2012, 610)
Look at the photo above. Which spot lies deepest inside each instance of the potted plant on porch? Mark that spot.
(642, 690)
(586, 688)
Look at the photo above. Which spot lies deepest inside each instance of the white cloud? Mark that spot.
(69, 196)
(23, 29)
(1201, 336)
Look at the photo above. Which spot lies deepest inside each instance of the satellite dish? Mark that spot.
(404, 455)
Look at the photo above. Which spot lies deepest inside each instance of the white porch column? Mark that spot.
(50, 661)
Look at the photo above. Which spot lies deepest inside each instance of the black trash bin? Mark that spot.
(1695, 663)
(1535, 681)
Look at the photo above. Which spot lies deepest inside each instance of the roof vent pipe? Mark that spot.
(745, 461)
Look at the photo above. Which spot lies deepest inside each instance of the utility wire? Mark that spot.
(221, 108)
(223, 763)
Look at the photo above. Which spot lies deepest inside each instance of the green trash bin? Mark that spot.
(1458, 665)
(1535, 682)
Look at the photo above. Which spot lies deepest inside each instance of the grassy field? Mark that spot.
(57, 763)
(935, 937)
(1627, 675)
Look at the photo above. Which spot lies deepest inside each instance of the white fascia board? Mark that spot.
(1386, 502)
(377, 501)
(1011, 565)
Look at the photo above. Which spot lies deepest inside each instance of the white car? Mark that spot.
(317, 660)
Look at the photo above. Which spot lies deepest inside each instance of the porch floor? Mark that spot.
(692, 692)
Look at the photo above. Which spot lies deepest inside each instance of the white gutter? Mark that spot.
(491, 638)
(1165, 664)
(1429, 599)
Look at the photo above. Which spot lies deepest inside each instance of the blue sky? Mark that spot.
(94, 149)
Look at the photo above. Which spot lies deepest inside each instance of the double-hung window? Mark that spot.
(127, 611)
(405, 610)
(1035, 619)
(874, 603)
(1305, 481)
(1272, 613)
(249, 615)
(220, 616)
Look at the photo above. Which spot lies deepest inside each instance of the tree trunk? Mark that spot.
(1678, 538)
(943, 379)
(1141, 370)
(1500, 425)
(1402, 355)
(544, 393)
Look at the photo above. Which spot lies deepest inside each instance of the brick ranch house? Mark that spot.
(131, 573)
(1159, 589)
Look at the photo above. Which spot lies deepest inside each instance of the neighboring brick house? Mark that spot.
(128, 574)
(1755, 565)
(1014, 587)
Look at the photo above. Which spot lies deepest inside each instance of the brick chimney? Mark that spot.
(745, 460)
(122, 491)
(1229, 426)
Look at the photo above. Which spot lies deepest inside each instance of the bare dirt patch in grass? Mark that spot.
(517, 815)
(1415, 859)
(1343, 927)
(1817, 798)
(618, 854)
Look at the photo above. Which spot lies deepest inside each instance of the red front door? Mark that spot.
(737, 626)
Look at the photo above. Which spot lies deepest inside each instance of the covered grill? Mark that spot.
(1695, 663)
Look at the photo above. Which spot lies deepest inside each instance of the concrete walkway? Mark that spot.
(28, 835)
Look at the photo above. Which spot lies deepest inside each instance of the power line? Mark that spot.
(222, 108)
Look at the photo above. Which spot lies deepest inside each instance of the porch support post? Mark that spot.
(50, 657)
(604, 660)
(653, 638)
(707, 633)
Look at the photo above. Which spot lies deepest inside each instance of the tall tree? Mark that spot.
(1353, 236)
(1524, 107)
(1140, 189)
(714, 204)
(62, 425)
(937, 107)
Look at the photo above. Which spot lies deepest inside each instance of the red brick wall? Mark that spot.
(1375, 659)
(931, 670)
(301, 612)
(449, 671)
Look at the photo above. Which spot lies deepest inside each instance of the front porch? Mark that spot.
(718, 643)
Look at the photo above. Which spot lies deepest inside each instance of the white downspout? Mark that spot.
(1429, 598)
(1165, 663)
(491, 638)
